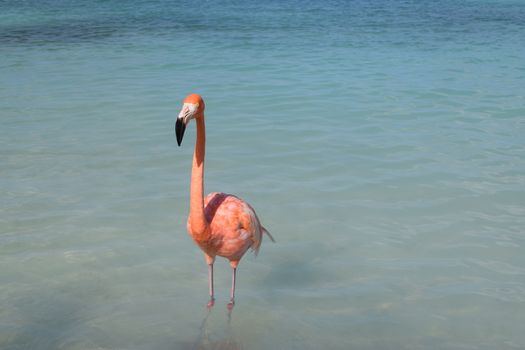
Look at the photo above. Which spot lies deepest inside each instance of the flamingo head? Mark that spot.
(192, 108)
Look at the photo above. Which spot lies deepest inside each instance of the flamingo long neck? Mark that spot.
(198, 223)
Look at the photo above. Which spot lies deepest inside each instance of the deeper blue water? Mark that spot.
(381, 142)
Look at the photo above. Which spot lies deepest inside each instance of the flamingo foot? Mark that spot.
(231, 304)
(210, 303)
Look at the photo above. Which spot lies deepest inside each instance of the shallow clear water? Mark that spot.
(382, 143)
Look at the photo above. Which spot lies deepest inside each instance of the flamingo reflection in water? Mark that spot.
(204, 342)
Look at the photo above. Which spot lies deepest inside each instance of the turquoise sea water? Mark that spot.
(381, 142)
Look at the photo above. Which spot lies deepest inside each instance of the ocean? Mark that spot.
(380, 142)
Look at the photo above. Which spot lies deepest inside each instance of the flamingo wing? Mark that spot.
(234, 224)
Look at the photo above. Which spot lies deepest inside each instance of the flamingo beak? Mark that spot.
(180, 127)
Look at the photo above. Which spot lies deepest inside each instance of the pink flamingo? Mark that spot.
(220, 224)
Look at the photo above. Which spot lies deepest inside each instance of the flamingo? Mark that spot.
(220, 224)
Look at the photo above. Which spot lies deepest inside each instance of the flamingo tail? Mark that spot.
(268, 234)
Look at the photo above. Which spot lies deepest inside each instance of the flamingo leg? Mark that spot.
(232, 294)
(210, 283)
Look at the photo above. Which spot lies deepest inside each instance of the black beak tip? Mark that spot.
(179, 130)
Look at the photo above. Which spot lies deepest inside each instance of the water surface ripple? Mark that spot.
(380, 142)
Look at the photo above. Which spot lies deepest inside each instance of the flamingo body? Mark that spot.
(234, 228)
